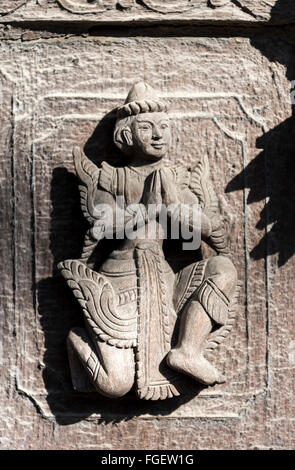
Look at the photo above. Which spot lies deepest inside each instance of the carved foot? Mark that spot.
(196, 367)
(111, 376)
(82, 358)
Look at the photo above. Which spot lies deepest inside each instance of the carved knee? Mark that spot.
(117, 383)
(222, 271)
(116, 375)
(116, 388)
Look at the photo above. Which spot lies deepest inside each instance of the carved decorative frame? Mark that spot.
(210, 402)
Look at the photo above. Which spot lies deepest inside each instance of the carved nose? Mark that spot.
(156, 133)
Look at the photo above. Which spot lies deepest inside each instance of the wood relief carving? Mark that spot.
(174, 6)
(148, 326)
(171, 6)
(101, 10)
(227, 85)
(218, 3)
(93, 6)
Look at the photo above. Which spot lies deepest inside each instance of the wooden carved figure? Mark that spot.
(147, 327)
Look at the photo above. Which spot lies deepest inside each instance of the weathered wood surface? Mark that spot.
(229, 97)
(132, 11)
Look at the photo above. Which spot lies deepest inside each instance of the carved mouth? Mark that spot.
(158, 146)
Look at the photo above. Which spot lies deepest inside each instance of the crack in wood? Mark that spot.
(25, 394)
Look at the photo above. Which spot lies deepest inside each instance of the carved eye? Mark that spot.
(144, 127)
(164, 125)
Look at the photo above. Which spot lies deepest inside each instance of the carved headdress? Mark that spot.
(142, 98)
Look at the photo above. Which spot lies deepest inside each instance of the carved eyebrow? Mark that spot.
(166, 121)
(143, 118)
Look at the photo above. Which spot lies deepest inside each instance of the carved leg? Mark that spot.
(105, 350)
(209, 304)
(188, 357)
(110, 369)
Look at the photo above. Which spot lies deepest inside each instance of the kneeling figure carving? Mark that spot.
(148, 326)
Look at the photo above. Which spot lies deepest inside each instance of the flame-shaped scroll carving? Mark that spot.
(170, 6)
(93, 6)
(180, 6)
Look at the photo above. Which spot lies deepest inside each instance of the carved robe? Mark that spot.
(144, 272)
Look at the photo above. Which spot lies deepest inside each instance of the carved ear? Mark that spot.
(123, 139)
(127, 136)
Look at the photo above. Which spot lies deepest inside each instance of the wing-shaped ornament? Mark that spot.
(201, 185)
(88, 174)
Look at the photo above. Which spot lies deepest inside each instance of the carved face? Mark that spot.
(151, 135)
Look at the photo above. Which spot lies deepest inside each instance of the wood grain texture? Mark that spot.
(226, 96)
(149, 11)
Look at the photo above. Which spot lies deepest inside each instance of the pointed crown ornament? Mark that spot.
(142, 98)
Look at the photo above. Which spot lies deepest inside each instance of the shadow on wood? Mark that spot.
(270, 176)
